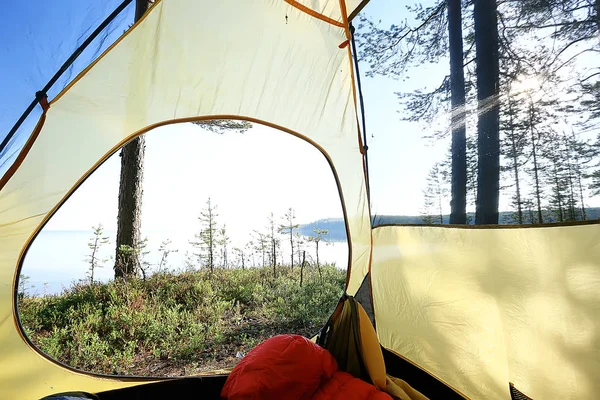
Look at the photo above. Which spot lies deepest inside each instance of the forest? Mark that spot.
(212, 247)
(519, 104)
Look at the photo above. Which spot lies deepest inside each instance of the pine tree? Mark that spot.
(95, 244)
(557, 202)
(223, 242)
(590, 102)
(288, 228)
(141, 251)
(533, 39)
(439, 32)
(513, 149)
(221, 126)
(578, 150)
(435, 195)
(24, 286)
(261, 246)
(570, 177)
(319, 236)
(241, 254)
(528, 207)
(165, 250)
(471, 171)
(488, 123)
(206, 239)
(537, 166)
(249, 251)
(458, 202)
(299, 241)
(273, 241)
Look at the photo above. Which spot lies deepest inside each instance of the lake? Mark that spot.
(57, 258)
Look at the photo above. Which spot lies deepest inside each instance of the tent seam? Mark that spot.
(314, 14)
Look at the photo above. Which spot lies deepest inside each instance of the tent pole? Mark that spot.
(42, 93)
(362, 113)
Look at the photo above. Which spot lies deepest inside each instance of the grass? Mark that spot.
(177, 324)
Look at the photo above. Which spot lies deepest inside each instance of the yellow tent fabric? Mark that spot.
(478, 308)
(262, 60)
(483, 307)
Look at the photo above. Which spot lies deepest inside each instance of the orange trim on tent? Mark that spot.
(108, 50)
(23, 153)
(345, 21)
(313, 13)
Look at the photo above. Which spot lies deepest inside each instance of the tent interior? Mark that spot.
(471, 311)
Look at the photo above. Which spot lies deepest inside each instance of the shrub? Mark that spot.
(177, 323)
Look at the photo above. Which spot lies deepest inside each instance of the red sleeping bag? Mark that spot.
(292, 367)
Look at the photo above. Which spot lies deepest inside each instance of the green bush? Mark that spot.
(178, 323)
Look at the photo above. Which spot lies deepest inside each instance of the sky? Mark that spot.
(185, 164)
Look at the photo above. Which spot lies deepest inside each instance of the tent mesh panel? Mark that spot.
(363, 296)
(516, 394)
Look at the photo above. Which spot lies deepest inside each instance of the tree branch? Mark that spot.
(410, 31)
(591, 76)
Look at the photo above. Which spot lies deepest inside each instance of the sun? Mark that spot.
(526, 84)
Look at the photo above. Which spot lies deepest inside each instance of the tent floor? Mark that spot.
(418, 378)
(205, 387)
(209, 387)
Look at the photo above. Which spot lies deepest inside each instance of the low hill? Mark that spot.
(337, 228)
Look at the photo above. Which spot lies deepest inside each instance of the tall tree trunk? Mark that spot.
(130, 195)
(130, 205)
(458, 203)
(488, 121)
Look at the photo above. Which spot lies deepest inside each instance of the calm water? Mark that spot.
(57, 258)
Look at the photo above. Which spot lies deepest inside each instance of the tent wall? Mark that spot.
(480, 308)
(42, 37)
(259, 60)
